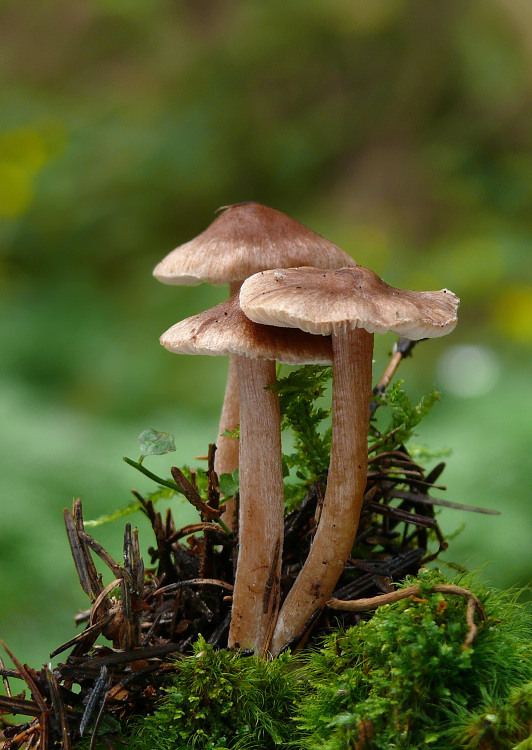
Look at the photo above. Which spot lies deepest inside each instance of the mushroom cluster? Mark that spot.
(295, 298)
(244, 239)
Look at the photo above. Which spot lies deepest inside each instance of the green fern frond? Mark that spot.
(404, 418)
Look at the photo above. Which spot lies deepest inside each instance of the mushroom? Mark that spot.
(352, 304)
(225, 330)
(245, 238)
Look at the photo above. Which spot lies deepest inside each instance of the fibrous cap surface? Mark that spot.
(323, 302)
(225, 329)
(244, 239)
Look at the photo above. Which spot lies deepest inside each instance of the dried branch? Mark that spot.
(473, 603)
(192, 495)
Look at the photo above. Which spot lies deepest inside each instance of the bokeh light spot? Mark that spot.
(468, 370)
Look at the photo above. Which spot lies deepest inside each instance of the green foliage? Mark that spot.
(404, 679)
(232, 433)
(298, 393)
(404, 417)
(299, 397)
(220, 699)
(155, 443)
(230, 483)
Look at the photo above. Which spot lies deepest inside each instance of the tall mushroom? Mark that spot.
(225, 330)
(245, 238)
(352, 304)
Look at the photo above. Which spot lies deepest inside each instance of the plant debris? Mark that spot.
(147, 616)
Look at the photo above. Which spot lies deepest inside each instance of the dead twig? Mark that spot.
(192, 582)
(192, 495)
(101, 685)
(426, 500)
(36, 694)
(58, 708)
(89, 632)
(401, 349)
(473, 604)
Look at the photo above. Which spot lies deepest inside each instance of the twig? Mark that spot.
(126, 657)
(59, 707)
(19, 706)
(363, 605)
(426, 500)
(296, 640)
(401, 515)
(5, 674)
(36, 694)
(192, 495)
(191, 582)
(101, 684)
(26, 676)
(77, 552)
(101, 552)
(90, 631)
(402, 348)
(107, 590)
(394, 567)
(99, 718)
(94, 577)
(193, 528)
(213, 490)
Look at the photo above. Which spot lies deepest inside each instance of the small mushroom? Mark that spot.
(226, 330)
(245, 238)
(352, 304)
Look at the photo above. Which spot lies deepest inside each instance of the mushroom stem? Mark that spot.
(340, 513)
(227, 448)
(261, 509)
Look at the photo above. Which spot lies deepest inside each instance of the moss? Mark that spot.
(404, 679)
(221, 699)
(401, 679)
(504, 726)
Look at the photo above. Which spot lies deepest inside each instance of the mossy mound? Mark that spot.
(220, 699)
(402, 679)
(406, 679)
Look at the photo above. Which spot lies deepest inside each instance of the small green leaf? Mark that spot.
(230, 483)
(154, 443)
(232, 433)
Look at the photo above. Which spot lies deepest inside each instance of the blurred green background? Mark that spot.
(401, 130)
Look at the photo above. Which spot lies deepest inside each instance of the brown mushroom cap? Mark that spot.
(225, 329)
(244, 239)
(323, 302)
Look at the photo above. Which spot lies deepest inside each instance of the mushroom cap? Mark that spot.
(225, 329)
(323, 302)
(244, 239)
